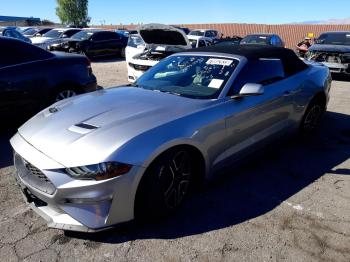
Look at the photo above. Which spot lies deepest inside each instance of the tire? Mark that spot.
(64, 93)
(312, 117)
(165, 185)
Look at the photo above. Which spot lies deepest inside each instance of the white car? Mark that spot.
(54, 36)
(153, 43)
(209, 33)
(199, 41)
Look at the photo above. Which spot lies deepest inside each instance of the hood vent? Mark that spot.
(82, 128)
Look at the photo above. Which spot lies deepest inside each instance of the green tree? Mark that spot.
(73, 12)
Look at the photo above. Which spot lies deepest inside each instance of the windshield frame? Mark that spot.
(222, 92)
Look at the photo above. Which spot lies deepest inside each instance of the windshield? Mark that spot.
(193, 43)
(334, 39)
(135, 41)
(53, 33)
(200, 77)
(197, 32)
(255, 39)
(83, 35)
(30, 31)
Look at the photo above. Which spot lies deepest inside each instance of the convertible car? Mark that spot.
(95, 160)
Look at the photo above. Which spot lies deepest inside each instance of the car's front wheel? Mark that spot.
(165, 184)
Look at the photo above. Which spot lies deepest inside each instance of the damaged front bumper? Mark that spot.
(70, 204)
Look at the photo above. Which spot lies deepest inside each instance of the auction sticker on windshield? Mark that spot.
(215, 83)
(217, 61)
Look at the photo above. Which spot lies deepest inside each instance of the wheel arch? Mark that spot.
(195, 152)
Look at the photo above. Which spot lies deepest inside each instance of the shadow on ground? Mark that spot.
(341, 77)
(107, 59)
(257, 187)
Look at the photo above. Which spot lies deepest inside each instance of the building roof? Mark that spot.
(17, 18)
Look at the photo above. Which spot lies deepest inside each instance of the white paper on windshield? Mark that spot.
(347, 35)
(216, 61)
(215, 83)
(160, 48)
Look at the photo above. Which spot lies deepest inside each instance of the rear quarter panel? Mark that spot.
(317, 79)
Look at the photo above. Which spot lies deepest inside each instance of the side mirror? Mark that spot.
(250, 89)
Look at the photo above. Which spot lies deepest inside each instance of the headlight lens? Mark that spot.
(98, 172)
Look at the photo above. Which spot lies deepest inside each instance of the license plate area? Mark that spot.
(32, 198)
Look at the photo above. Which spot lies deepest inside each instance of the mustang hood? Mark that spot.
(87, 129)
(163, 35)
(330, 48)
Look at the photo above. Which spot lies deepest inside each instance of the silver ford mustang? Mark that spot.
(95, 160)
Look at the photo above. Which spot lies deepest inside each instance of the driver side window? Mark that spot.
(262, 71)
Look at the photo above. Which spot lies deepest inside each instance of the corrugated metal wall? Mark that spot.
(291, 34)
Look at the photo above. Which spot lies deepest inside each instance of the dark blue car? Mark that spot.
(12, 32)
(32, 78)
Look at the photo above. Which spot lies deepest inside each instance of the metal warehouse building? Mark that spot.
(19, 21)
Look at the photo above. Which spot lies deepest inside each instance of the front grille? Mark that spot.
(33, 176)
(37, 173)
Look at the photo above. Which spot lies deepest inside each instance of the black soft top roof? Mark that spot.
(291, 62)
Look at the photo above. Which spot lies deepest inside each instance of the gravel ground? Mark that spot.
(110, 73)
(289, 203)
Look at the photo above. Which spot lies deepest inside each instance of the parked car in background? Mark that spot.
(199, 41)
(263, 39)
(13, 33)
(333, 50)
(210, 33)
(126, 32)
(35, 32)
(93, 43)
(108, 157)
(185, 29)
(32, 78)
(229, 41)
(54, 36)
(160, 42)
(135, 46)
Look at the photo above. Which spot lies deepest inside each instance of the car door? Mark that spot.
(22, 77)
(255, 120)
(99, 44)
(116, 44)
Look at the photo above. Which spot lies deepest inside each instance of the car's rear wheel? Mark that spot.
(312, 116)
(165, 185)
(65, 93)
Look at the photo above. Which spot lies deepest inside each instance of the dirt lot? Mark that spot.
(289, 203)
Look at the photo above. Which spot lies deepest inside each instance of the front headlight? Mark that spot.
(98, 172)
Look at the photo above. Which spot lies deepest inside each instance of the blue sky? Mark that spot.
(189, 11)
